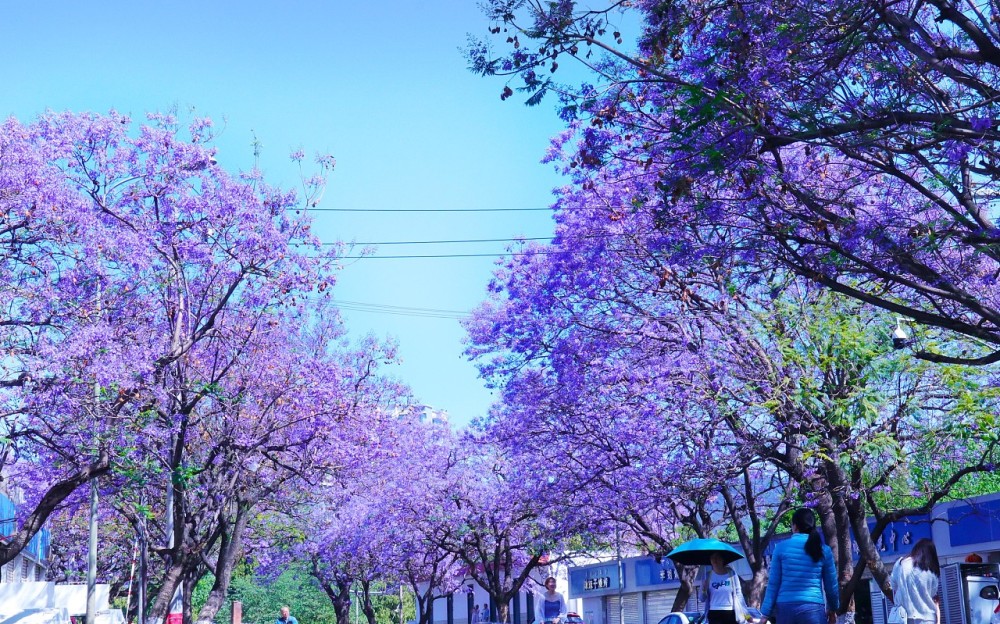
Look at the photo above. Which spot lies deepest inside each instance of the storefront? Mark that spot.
(959, 529)
(646, 596)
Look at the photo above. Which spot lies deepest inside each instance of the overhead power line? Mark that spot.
(507, 254)
(378, 308)
(421, 209)
(459, 241)
(449, 242)
(542, 251)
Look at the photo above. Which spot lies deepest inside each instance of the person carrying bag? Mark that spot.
(724, 603)
(914, 586)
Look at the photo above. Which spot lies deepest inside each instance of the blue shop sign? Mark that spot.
(974, 523)
(649, 572)
(593, 579)
(898, 538)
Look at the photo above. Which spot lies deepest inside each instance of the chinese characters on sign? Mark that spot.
(598, 579)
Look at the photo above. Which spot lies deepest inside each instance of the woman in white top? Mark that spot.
(723, 595)
(914, 584)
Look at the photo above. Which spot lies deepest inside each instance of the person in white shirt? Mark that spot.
(914, 584)
(723, 594)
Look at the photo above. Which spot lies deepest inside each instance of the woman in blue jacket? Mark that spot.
(802, 581)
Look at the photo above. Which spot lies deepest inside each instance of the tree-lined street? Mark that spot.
(770, 283)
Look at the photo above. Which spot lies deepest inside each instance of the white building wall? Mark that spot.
(460, 611)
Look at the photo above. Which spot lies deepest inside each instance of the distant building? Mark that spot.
(457, 607)
(643, 589)
(31, 563)
(424, 413)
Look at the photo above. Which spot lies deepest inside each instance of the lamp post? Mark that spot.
(900, 339)
(621, 575)
(91, 614)
(92, 556)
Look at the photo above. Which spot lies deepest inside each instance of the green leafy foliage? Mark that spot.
(262, 600)
(297, 589)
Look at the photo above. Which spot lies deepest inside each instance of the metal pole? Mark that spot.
(91, 613)
(621, 576)
(131, 576)
(140, 607)
(400, 603)
(169, 535)
(92, 556)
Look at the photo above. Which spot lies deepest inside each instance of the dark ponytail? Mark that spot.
(804, 519)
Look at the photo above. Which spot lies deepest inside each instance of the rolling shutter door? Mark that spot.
(658, 605)
(632, 612)
(611, 609)
(633, 615)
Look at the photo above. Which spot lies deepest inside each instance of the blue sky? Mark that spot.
(380, 85)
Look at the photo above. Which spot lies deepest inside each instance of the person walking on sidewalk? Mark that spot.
(286, 617)
(914, 584)
(723, 595)
(551, 607)
(802, 580)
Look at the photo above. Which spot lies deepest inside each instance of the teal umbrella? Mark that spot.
(699, 552)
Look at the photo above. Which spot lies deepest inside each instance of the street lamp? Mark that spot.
(900, 339)
(621, 575)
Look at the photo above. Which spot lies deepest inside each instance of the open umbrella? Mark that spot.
(699, 552)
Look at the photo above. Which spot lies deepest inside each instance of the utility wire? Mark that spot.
(445, 242)
(377, 308)
(516, 239)
(420, 209)
(468, 255)
(396, 307)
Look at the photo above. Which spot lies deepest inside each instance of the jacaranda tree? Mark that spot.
(165, 329)
(653, 382)
(852, 142)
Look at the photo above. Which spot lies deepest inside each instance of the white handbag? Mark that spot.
(897, 615)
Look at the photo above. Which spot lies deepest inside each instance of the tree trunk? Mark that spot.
(230, 546)
(503, 611)
(839, 484)
(868, 554)
(755, 587)
(342, 603)
(190, 579)
(171, 580)
(686, 574)
(339, 593)
(497, 580)
(366, 602)
(425, 603)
